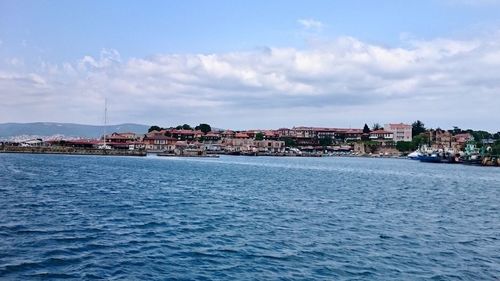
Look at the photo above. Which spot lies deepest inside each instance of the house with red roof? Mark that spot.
(158, 142)
(382, 136)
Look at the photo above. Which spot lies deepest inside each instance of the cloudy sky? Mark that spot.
(252, 64)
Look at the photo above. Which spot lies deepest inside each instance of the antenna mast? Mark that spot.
(105, 120)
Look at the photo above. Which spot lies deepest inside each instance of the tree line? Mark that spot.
(205, 128)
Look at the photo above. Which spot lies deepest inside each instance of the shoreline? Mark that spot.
(143, 153)
(72, 151)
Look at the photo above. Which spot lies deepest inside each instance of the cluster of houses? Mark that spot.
(305, 139)
(444, 139)
(180, 142)
(296, 140)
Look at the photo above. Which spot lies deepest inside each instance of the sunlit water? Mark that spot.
(244, 218)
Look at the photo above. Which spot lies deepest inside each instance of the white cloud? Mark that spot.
(340, 83)
(108, 58)
(310, 24)
(15, 62)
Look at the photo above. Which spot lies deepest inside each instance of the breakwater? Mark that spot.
(70, 150)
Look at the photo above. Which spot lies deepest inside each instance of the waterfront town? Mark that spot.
(389, 140)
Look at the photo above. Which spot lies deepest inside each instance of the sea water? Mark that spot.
(246, 218)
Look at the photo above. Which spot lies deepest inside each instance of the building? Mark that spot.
(271, 135)
(241, 136)
(124, 141)
(463, 138)
(270, 146)
(32, 143)
(381, 135)
(401, 132)
(211, 137)
(156, 141)
(326, 133)
(228, 134)
(284, 132)
(348, 134)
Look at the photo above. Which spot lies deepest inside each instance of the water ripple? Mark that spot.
(244, 218)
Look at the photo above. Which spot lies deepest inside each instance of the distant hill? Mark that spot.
(8, 130)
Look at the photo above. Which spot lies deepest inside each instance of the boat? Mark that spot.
(442, 155)
(472, 156)
(430, 158)
(415, 155)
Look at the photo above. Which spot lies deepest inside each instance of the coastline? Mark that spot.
(72, 151)
(487, 161)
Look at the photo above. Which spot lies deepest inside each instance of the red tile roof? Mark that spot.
(241, 135)
(380, 132)
(400, 126)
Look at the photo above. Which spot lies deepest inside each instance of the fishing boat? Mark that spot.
(430, 158)
(447, 155)
(472, 156)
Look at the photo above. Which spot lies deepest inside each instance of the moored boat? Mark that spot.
(415, 155)
(432, 158)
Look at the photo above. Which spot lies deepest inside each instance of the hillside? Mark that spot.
(8, 130)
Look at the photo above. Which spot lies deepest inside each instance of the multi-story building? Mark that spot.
(401, 132)
(381, 135)
(284, 132)
(124, 141)
(463, 138)
(348, 134)
(157, 141)
(305, 132)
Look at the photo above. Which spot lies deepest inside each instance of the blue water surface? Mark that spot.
(246, 218)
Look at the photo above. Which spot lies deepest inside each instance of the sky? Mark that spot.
(252, 64)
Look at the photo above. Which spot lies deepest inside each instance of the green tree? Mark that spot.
(371, 146)
(404, 146)
(495, 148)
(325, 141)
(366, 129)
(184, 127)
(154, 128)
(205, 128)
(417, 128)
(480, 135)
(289, 142)
(419, 140)
(259, 136)
(456, 130)
(366, 133)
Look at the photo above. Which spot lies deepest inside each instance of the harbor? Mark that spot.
(396, 140)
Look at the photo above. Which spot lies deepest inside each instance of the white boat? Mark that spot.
(415, 155)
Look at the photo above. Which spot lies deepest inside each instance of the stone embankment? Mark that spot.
(70, 150)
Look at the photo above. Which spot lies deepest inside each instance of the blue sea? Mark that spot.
(246, 218)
